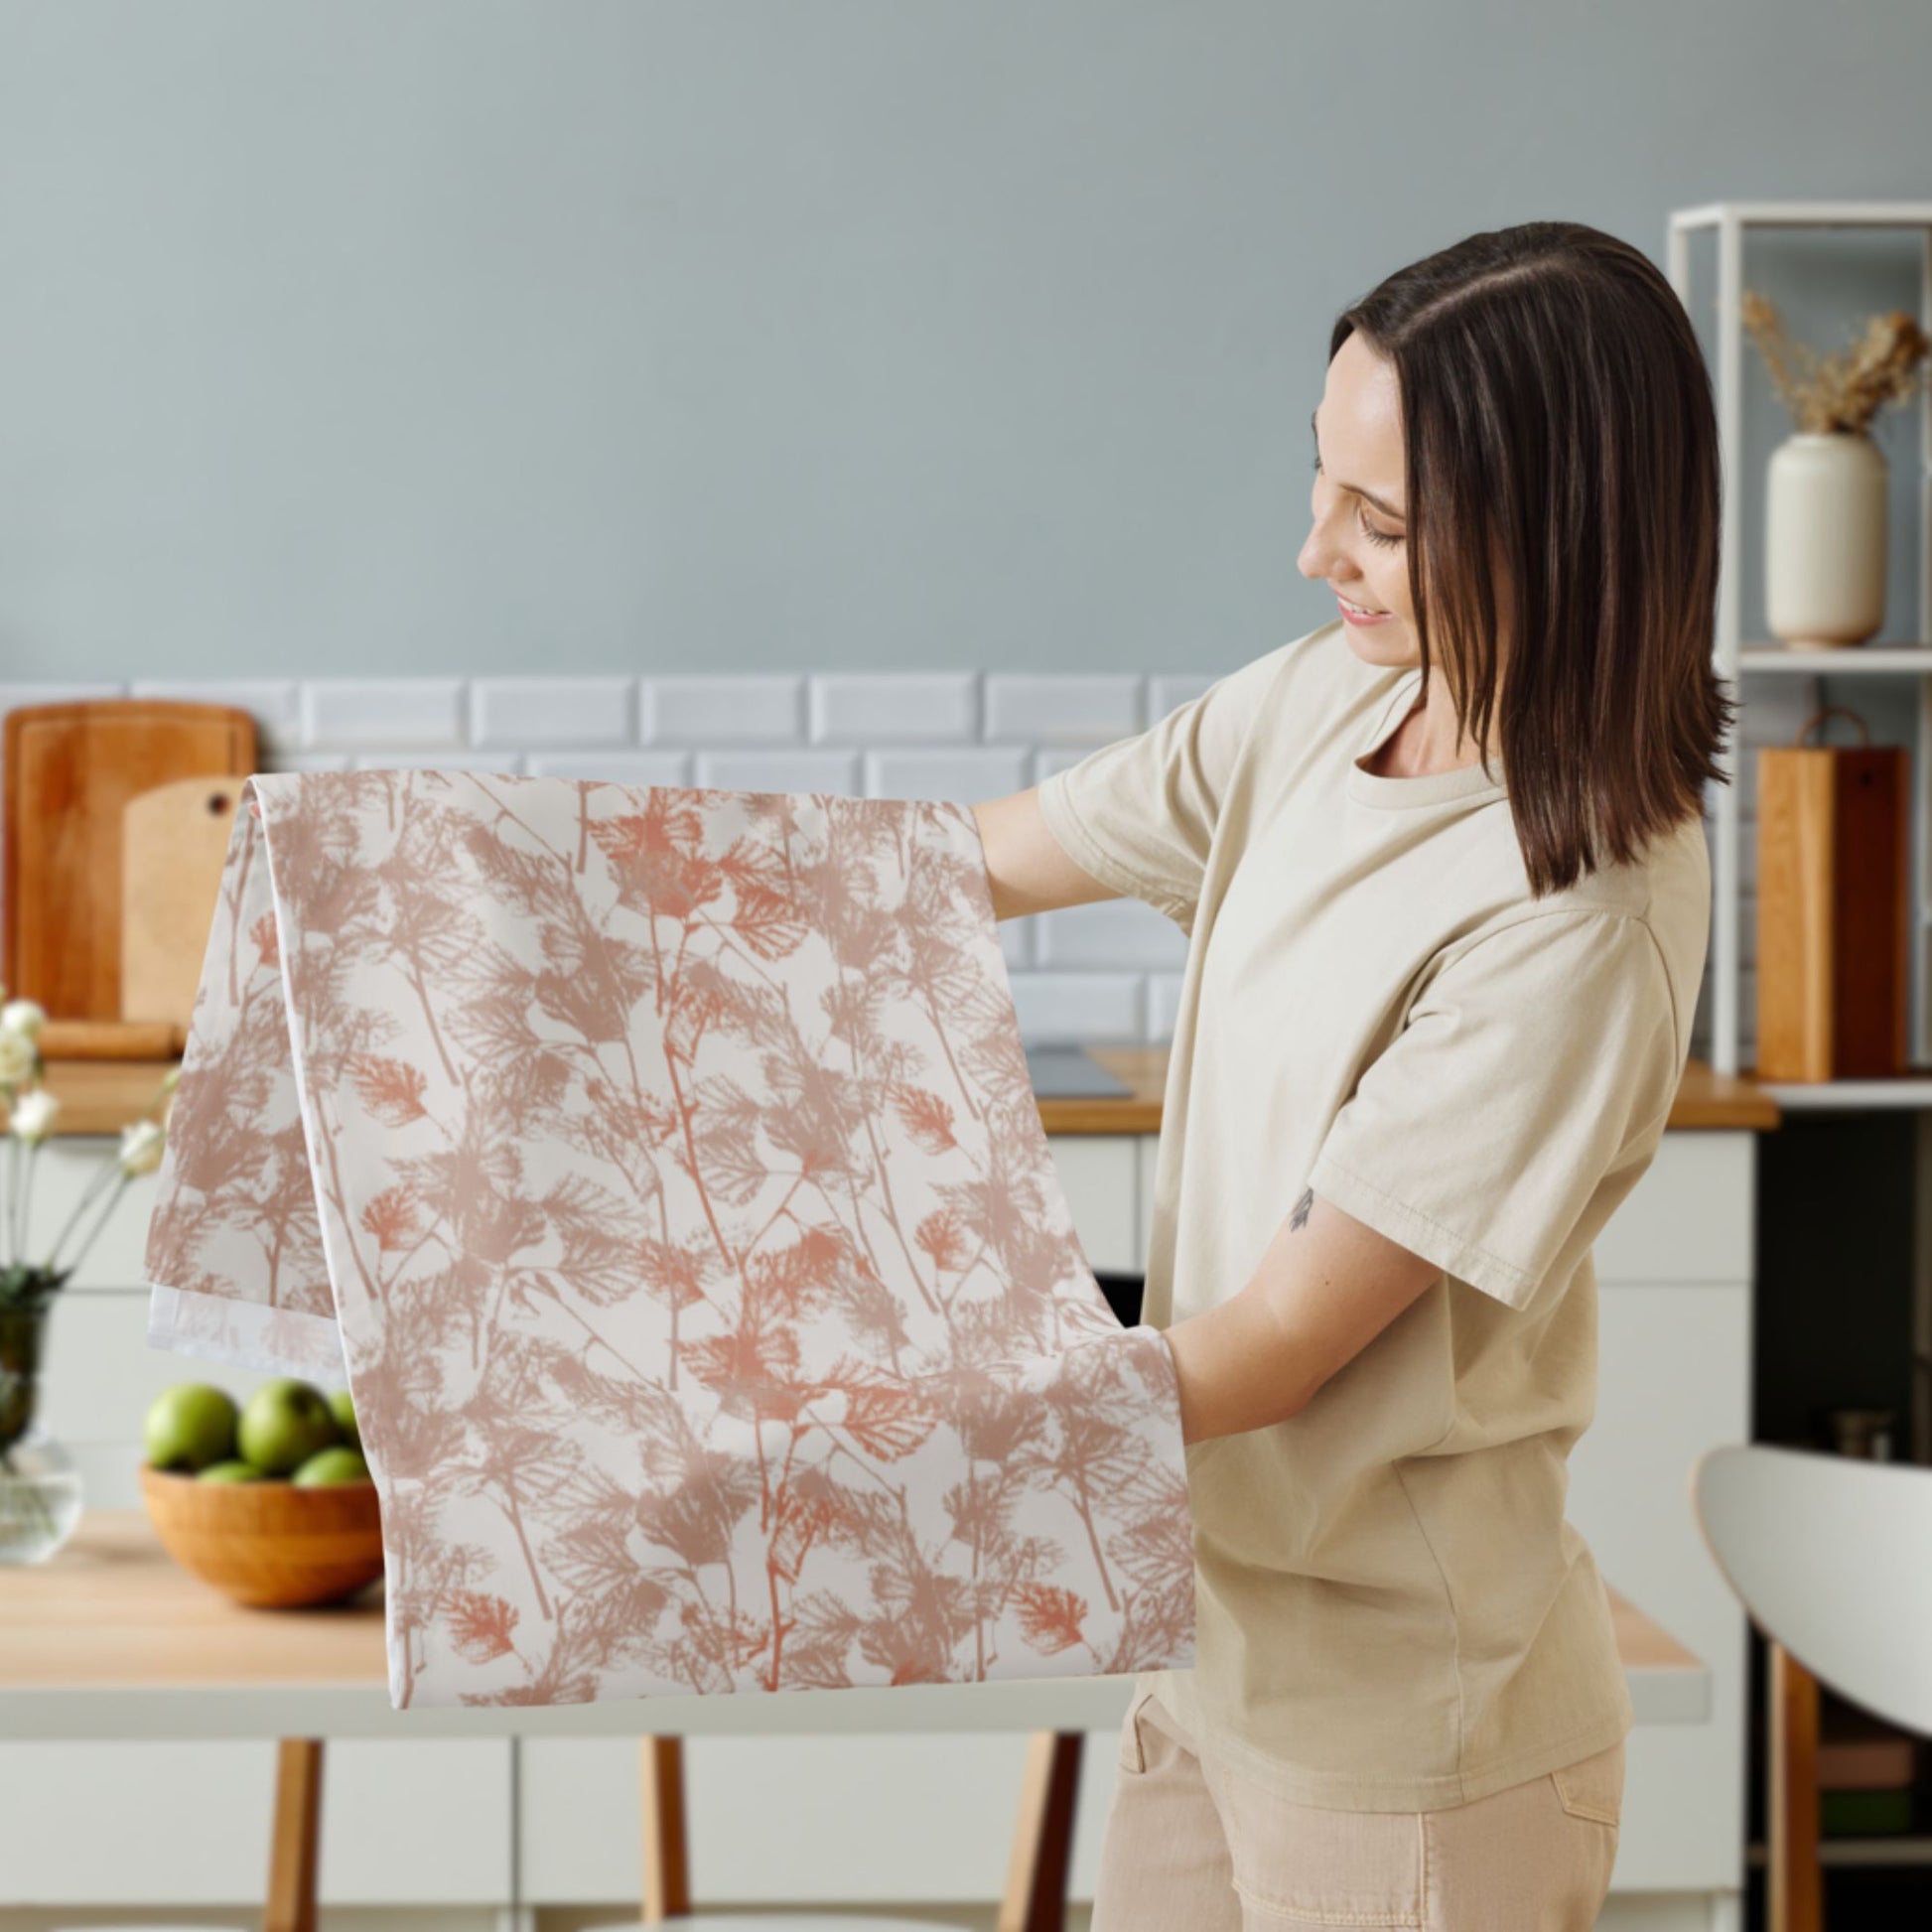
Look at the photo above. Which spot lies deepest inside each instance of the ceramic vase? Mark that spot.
(1825, 541)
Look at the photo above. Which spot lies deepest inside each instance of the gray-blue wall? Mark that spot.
(462, 335)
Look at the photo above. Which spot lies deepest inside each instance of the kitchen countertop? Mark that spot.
(102, 1096)
(1704, 1098)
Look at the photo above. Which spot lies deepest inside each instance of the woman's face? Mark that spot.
(1359, 543)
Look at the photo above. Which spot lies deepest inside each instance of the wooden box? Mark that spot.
(1834, 911)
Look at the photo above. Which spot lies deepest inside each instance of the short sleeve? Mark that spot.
(1139, 814)
(1520, 1102)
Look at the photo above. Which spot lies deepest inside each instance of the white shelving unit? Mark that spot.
(1739, 663)
(1729, 222)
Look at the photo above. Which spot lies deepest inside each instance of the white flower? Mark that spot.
(141, 1147)
(32, 1116)
(16, 1058)
(22, 1016)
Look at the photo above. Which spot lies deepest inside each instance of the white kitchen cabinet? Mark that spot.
(794, 1821)
(1100, 1176)
(188, 1824)
(1674, 1350)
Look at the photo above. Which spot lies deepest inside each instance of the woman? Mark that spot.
(1444, 871)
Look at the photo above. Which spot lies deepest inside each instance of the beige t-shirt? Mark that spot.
(1393, 1612)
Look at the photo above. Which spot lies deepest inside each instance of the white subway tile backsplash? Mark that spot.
(1163, 1006)
(1056, 758)
(275, 703)
(727, 710)
(616, 767)
(1112, 969)
(1092, 1008)
(969, 774)
(888, 707)
(780, 770)
(433, 759)
(578, 711)
(1042, 707)
(308, 762)
(1111, 933)
(363, 713)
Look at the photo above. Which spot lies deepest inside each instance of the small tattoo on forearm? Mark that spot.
(1302, 1208)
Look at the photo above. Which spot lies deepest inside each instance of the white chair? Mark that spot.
(1831, 1557)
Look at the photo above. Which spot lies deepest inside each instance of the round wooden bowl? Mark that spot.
(268, 1544)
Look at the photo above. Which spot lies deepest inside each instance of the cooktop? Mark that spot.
(1069, 1073)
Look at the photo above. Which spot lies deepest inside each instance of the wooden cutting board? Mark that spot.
(1835, 912)
(174, 840)
(71, 771)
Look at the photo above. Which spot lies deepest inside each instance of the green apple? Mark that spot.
(283, 1424)
(189, 1426)
(342, 1407)
(329, 1466)
(233, 1470)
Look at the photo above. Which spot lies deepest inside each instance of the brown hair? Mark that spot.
(1561, 475)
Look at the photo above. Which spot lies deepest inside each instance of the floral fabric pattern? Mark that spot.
(661, 1170)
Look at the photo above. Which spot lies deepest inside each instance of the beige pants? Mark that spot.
(1192, 1846)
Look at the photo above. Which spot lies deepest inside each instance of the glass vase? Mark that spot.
(40, 1487)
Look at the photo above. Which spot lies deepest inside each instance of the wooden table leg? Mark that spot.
(667, 1869)
(1794, 1890)
(1043, 1835)
(295, 1844)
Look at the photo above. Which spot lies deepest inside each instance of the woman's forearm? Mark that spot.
(1236, 1366)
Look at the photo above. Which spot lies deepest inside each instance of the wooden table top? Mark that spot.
(111, 1638)
(102, 1096)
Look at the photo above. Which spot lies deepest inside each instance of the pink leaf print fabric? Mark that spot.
(661, 1170)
